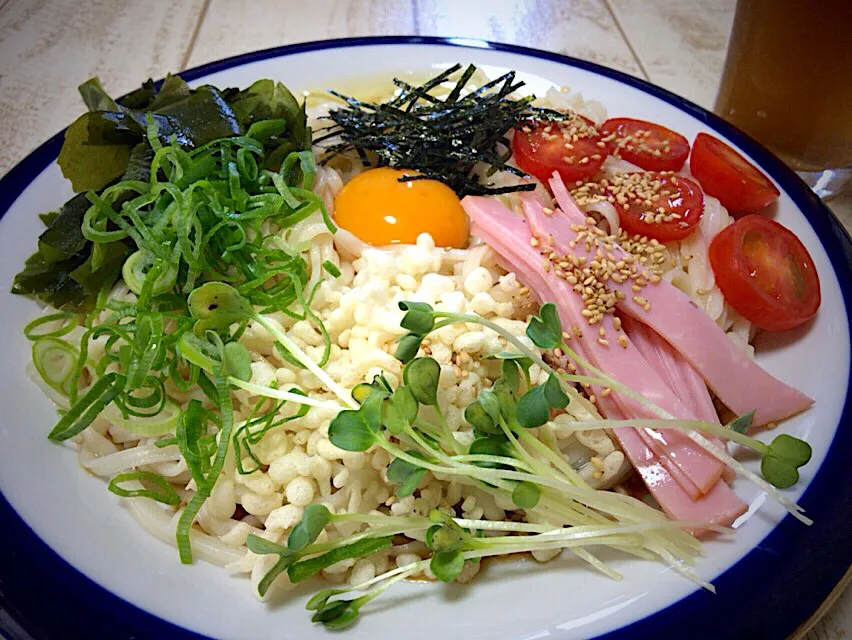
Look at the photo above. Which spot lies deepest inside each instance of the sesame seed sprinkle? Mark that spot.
(641, 264)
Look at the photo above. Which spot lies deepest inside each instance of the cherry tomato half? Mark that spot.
(677, 204)
(544, 147)
(650, 146)
(765, 273)
(725, 174)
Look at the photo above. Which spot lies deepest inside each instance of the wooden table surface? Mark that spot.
(48, 47)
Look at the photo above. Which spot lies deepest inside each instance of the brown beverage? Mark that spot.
(788, 79)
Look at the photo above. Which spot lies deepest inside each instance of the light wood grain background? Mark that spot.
(48, 47)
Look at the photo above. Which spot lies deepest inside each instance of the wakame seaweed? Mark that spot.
(112, 142)
(60, 273)
(442, 138)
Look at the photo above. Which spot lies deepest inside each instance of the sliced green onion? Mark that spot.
(136, 268)
(86, 409)
(165, 492)
(165, 421)
(68, 321)
(56, 363)
(331, 268)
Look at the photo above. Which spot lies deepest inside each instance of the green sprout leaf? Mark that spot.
(791, 450)
(362, 391)
(407, 403)
(381, 383)
(371, 410)
(407, 348)
(545, 330)
(314, 520)
(349, 431)
(422, 307)
(444, 537)
(533, 408)
(777, 472)
(510, 372)
(337, 615)
(329, 612)
(406, 474)
(419, 317)
(437, 516)
(490, 403)
(526, 495)
(237, 361)
(742, 424)
(217, 305)
(392, 418)
(556, 397)
(263, 546)
(490, 447)
(319, 599)
(505, 400)
(781, 461)
(476, 415)
(447, 565)
(400, 410)
(421, 376)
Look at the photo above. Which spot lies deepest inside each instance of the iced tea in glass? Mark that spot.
(788, 83)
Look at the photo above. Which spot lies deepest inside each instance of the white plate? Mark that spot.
(75, 516)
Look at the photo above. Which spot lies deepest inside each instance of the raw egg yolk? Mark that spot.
(380, 210)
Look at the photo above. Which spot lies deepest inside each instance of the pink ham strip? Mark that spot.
(734, 377)
(719, 506)
(681, 455)
(694, 470)
(680, 375)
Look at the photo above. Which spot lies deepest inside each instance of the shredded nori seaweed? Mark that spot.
(442, 138)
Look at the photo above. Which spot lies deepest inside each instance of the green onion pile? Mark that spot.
(206, 215)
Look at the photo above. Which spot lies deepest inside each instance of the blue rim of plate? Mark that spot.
(767, 594)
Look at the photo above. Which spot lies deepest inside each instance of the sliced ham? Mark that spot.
(694, 469)
(684, 458)
(740, 383)
(719, 506)
(680, 375)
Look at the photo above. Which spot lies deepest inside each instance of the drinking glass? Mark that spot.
(788, 83)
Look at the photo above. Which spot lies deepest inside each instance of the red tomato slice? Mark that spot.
(725, 174)
(650, 146)
(677, 204)
(573, 148)
(765, 273)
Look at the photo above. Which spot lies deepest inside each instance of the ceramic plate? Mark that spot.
(75, 564)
